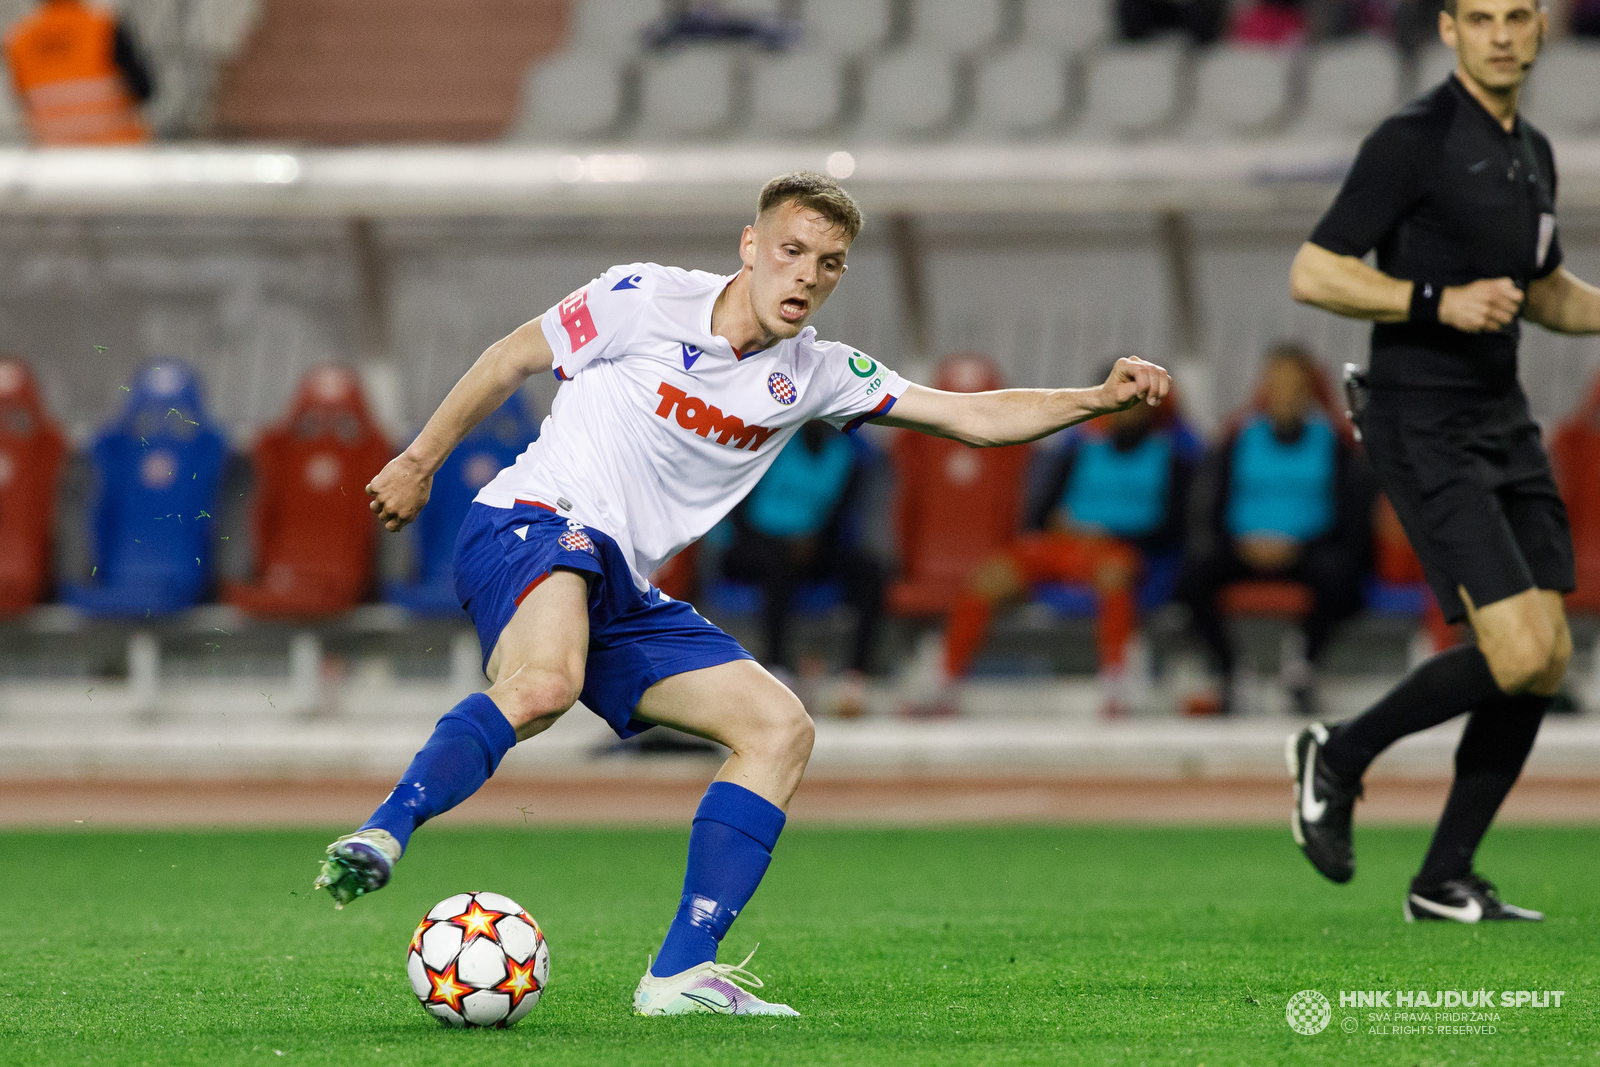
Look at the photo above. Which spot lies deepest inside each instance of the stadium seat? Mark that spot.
(578, 94)
(1433, 65)
(1288, 600)
(219, 27)
(316, 540)
(846, 27)
(1072, 26)
(1575, 451)
(1021, 92)
(1132, 90)
(1240, 91)
(158, 467)
(613, 27)
(1351, 86)
(11, 126)
(957, 25)
(31, 450)
(777, 110)
(954, 506)
(692, 92)
(1562, 97)
(493, 446)
(911, 93)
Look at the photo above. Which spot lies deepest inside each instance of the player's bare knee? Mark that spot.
(784, 735)
(534, 694)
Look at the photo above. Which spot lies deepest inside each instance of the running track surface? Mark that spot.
(667, 797)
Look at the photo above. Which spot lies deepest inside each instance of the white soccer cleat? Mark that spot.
(707, 988)
(358, 864)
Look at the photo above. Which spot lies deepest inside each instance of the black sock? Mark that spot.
(1493, 748)
(1450, 683)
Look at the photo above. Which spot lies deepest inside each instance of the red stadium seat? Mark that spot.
(316, 541)
(1575, 451)
(955, 506)
(1289, 600)
(31, 450)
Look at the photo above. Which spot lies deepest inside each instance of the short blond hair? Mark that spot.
(815, 192)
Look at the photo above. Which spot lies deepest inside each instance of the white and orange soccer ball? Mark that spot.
(478, 959)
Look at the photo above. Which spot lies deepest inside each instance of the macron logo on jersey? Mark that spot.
(576, 320)
(706, 419)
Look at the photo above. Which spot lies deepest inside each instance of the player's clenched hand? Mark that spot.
(1132, 380)
(399, 492)
(1480, 306)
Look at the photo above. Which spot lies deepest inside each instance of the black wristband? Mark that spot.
(1425, 302)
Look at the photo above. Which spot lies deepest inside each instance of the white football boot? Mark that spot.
(707, 988)
(358, 864)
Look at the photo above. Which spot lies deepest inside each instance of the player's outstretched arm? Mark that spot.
(1565, 303)
(401, 489)
(1012, 416)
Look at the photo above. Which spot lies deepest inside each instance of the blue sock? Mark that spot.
(463, 752)
(730, 846)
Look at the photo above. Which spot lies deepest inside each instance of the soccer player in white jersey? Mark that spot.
(680, 387)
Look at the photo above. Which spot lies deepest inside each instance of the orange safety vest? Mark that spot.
(62, 60)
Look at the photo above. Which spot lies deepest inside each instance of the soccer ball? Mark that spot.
(478, 959)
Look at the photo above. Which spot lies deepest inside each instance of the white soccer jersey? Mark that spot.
(660, 428)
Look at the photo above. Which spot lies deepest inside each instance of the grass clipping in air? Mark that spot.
(969, 946)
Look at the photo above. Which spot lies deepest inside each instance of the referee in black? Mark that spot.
(1456, 193)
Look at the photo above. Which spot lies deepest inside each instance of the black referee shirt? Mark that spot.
(1447, 197)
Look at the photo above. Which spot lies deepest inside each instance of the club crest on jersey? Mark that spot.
(781, 388)
(707, 420)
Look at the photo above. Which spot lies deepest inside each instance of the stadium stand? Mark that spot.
(315, 539)
(953, 506)
(32, 448)
(1134, 91)
(1241, 92)
(1069, 26)
(1575, 452)
(777, 110)
(1350, 87)
(694, 91)
(1023, 92)
(493, 445)
(151, 525)
(916, 92)
(1562, 99)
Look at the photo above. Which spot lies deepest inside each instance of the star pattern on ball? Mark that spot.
(446, 988)
(520, 981)
(416, 938)
(477, 921)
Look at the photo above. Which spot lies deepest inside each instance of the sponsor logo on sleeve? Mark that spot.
(708, 421)
(863, 366)
(576, 319)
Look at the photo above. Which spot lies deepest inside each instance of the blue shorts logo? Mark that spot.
(575, 540)
(782, 389)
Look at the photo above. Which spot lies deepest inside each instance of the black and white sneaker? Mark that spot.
(1464, 900)
(1323, 804)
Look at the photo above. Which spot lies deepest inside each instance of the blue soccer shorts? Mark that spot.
(635, 638)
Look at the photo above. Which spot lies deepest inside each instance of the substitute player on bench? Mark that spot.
(680, 389)
(1457, 194)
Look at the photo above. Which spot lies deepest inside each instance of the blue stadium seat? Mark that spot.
(493, 446)
(1396, 598)
(741, 598)
(159, 466)
(1075, 600)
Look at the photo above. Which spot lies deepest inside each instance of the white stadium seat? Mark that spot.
(1070, 25)
(1351, 86)
(694, 92)
(957, 25)
(1563, 92)
(1240, 92)
(1434, 65)
(577, 94)
(1132, 90)
(846, 27)
(795, 94)
(1021, 92)
(912, 92)
(610, 25)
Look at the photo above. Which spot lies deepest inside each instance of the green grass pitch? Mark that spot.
(1093, 945)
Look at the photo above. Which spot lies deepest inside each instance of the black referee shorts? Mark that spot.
(1472, 485)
